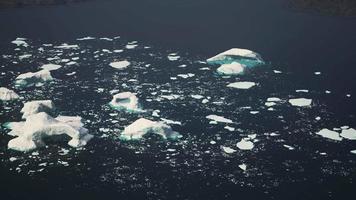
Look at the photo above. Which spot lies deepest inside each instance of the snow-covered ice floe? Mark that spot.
(301, 102)
(243, 56)
(32, 78)
(217, 118)
(144, 126)
(228, 150)
(326, 133)
(349, 134)
(50, 67)
(34, 107)
(30, 134)
(234, 68)
(120, 64)
(7, 94)
(126, 101)
(242, 85)
(245, 144)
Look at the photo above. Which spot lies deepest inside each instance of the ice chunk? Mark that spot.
(219, 119)
(228, 150)
(34, 107)
(242, 85)
(86, 38)
(348, 134)
(41, 125)
(353, 151)
(20, 42)
(67, 46)
(243, 56)
(120, 64)
(173, 57)
(243, 167)
(144, 126)
(333, 135)
(303, 90)
(126, 101)
(231, 69)
(32, 78)
(197, 96)
(50, 67)
(301, 102)
(7, 94)
(245, 144)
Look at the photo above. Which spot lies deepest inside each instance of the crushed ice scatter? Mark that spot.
(333, 135)
(245, 144)
(242, 85)
(219, 119)
(120, 64)
(231, 69)
(126, 101)
(41, 125)
(228, 150)
(7, 94)
(349, 134)
(300, 102)
(142, 126)
(50, 67)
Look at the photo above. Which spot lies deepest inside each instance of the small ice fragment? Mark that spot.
(212, 142)
(317, 73)
(219, 119)
(168, 121)
(274, 99)
(348, 134)
(288, 147)
(143, 126)
(173, 57)
(317, 118)
(229, 128)
(231, 69)
(333, 135)
(270, 104)
(242, 85)
(353, 151)
(197, 96)
(120, 64)
(327, 91)
(301, 102)
(171, 97)
(244, 144)
(228, 150)
(243, 167)
(67, 46)
(50, 67)
(348, 95)
(277, 72)
(7, 94)
(85, 38)
(254, 112)
(305, 91)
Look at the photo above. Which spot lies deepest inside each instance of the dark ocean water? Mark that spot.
(298, 44)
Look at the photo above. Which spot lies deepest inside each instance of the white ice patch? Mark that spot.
(242, 85)
(120, 64)
(197, 96)
(32, 78)
(86, 38)
(305, 91)
(168, 121)
(245, 144)
(34, 107)
(50, 67)
(219, 119)
(234, 68)
(126, 101)
(348, 134)
(274, 99)
(67, 46)
(228, 150)
(353, 151)
(41, 125)
(243, 167)
(243, 56)
(7, 94)
(173, 57)
(189, 75)
(326, 133)
(300, 102)
(20, 42)
(143, 126)
(171, 97)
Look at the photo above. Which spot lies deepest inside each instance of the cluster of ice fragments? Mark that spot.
(7, 94)
(38, 125)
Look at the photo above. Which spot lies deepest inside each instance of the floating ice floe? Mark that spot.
(7, 94)
(353, 151)
(243, 167)
(173, 57)
(126, 101)
(305, 91)
(197, 96)
(349, 134)
(326, 133)
(245, 144)
(50, 67)
(41, 125)
(20, 42)
(120, 64)
(233, 68)
(34, 107)
(242, 85)
(274, 99)
(67, 46)
(228, 150)
(33, 78)
(217, 118)
(301, 102)
(144, 126)
(243, 56)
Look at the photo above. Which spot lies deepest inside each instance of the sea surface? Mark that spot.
(307, 55)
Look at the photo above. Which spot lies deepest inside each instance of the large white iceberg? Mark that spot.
(231, 69)
(126, 101)
(7, 94)
(34, 107)
(32, 78)
(243, 56)
(144, 126)
(326, 133)
(30, 134)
